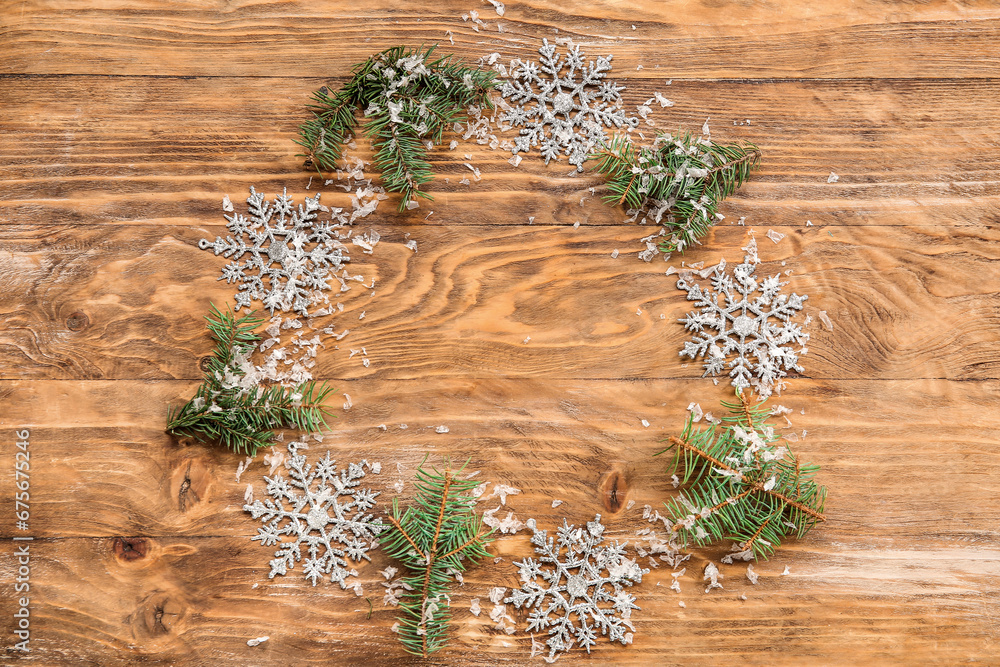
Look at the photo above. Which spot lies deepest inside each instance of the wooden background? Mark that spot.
(123, 124)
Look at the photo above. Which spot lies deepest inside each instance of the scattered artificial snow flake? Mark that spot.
(242, 467)
(556, 503)
(289, 254)
(704, 128)
(362, 315)
(531, 219)
(775, 236)
(787, 571)
(515, 160)
(412, 245)
(751, 575)
(474, 607)
(227, 205)
(742, 325)
(527, 338)
(664, 102)
(576, 225)
(248, 494)
(629, 506)
(696, 412)
(825, 319)
(681, 604)
(257, 642)
(809, 223)
(576, 585)
(562, 104)
(503, 491)
(712, 575)
(614, 254)
(497, 5)
(832, 178)
(645, 423)
(348, 403)
(325, 512)
(509, 525)
(395, 627)
(638, 311)
(441, 429)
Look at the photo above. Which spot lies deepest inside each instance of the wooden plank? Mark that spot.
(705, 40)
(875, 582)
(100, 445)
(87, 150)
(187, 601)
(128, 302)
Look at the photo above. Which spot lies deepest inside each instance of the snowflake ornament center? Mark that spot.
(744, 325)
(277, 251)
(576, 586)
(318, 518)
(562, 103)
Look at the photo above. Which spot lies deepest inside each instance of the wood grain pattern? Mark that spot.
(464, 303)
(883, 542)
(695, 40)
(121, 127)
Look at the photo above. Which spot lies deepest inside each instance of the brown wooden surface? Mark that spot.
(121, 127)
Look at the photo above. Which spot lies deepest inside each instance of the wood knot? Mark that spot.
(78, 321)
(158, 615)
(129, 549)
(203, 363)
(189, 483)
(613, 489)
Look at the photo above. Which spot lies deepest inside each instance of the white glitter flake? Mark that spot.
(733, 320)
(563, 104)
(576, 586)
(323, 512)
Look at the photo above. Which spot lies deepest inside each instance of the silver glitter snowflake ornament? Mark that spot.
(563, 103)
(289, 255)
(581, 594)
(746, 318)
(319, 510)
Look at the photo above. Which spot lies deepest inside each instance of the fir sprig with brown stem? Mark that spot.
(240, 418)
(678, 180)
(433, 538)
(740, 485)
(408, 98)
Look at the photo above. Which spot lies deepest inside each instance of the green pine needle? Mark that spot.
(408, 98)
(754, 495)
(659, 179)
(243, 420)
(433, 538)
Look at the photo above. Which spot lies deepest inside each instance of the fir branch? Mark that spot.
(243, 419)
(740, 485)
(432, 538)
(679, 181)
(408, 98)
